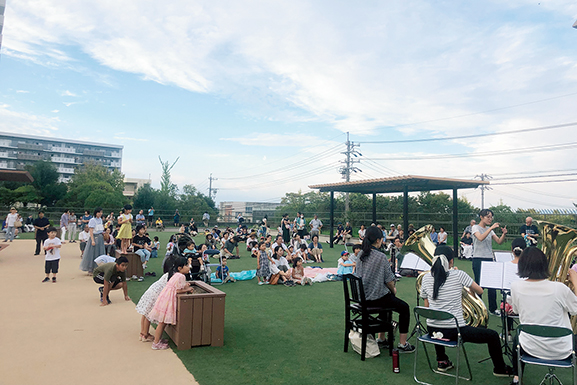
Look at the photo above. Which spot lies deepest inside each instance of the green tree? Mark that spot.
(46, 183)
(145, 197)
(94, 185)
(192, 200)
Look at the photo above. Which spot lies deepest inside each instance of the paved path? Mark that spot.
(58, 333)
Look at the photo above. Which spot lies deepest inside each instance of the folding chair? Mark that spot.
(363, 319)
(547, 332)
(425, 338)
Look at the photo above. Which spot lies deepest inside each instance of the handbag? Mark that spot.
(18, 224)
(372, 345)
(274, 279)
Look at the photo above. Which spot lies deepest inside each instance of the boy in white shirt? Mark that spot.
(52, 259)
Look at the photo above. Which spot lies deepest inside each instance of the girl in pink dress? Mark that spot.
(164, 310)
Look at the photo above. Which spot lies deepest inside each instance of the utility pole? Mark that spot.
(210, 189)
(349, 166)
(483, 187)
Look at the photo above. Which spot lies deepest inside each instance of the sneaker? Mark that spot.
(406, 348)
(383, 344)
(159, 346)
(46, 280)
(443, 366)
(101, 289)
(140, 279)
(144, 266)
(507, 371)
(53, 279)
(260, 283)
(496, 312)
(134, 278)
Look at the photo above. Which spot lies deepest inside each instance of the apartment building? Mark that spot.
(17, 151)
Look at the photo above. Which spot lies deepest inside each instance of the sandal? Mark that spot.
(146, 338)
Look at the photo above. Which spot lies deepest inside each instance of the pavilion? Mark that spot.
(399, 184)
(15, 176)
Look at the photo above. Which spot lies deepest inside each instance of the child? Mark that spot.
(254, 251)
(222, 271)
(146, 304)
(263, 262)
(291, 254)
(355, 257)
(303, 253)
(345, 266)
(125, 233)
(297, 273)
(52, 247)
(155, 247)
(164, 310)
(141, 246)
(194, 259)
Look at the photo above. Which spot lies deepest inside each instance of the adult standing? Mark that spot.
(316, 226)
(95, 246)
(41, 225)
(140, 219)
(529, 232)
(11, 219)
(150, 216)
(71, 227)
(64, 224)
(285, 228)
(300, 224)
(379, 283)
(483, 237)
(176, 218)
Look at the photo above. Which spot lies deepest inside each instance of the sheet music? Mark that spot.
(503, 256)
(492, 275)
(510, 275)
(412, 261)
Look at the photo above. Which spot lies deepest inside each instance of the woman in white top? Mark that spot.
(10, 221)
(442, 236)
(362, 232)
(539, 301)
(442, 290)
(95, 245)
(483, 237)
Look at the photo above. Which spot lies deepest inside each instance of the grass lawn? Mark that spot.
(294, 335)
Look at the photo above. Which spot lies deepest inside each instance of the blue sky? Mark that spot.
(261, 93)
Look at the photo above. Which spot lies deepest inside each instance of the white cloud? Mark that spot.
(129, 139)
(55, 111)
(19, 122)
(276, 140)
(22, 92)
(68, 93)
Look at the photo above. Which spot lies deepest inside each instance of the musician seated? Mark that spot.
(441, 289)
(539, 301)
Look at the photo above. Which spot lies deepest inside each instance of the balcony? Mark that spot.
(115, 164)
(61, 159)
(94, 152)
(62, 149)
(30, 146)
(25, 156)
(65, 170)
(6, 143)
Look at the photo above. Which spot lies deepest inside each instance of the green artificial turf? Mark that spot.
(295, 335)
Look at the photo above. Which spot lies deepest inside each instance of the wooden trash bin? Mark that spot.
(134, 264)
(199, 318)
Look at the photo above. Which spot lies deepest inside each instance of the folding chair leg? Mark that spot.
(347, 331)
(363, 346)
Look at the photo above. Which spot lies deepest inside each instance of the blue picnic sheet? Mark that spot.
(245, 275)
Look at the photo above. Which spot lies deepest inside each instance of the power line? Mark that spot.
(473, 136)
(535, 181)
(538, 176)
(553, 147)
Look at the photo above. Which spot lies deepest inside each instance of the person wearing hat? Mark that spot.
(344, 265)
(393, 233)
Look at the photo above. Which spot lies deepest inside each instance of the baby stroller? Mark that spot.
(197, 273)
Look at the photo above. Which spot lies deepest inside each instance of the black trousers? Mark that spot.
(399, 306)
(492, 293)
(476, 336)
(39, 240)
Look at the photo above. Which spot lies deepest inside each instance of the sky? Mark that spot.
(261, 94)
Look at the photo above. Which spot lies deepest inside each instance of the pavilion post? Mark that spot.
(455, 221)
(405, 210)
(374, 208)
(332, 219)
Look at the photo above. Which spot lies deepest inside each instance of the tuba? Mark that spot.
(559, 245)
(474, 310)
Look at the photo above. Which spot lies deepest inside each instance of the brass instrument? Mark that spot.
(474, 310)
(559, 245)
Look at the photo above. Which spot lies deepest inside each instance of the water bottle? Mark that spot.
(396, 368)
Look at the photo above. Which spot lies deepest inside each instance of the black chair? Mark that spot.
(363, 319)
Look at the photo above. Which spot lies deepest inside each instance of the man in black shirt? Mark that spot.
(530, 232)
(41, 225)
